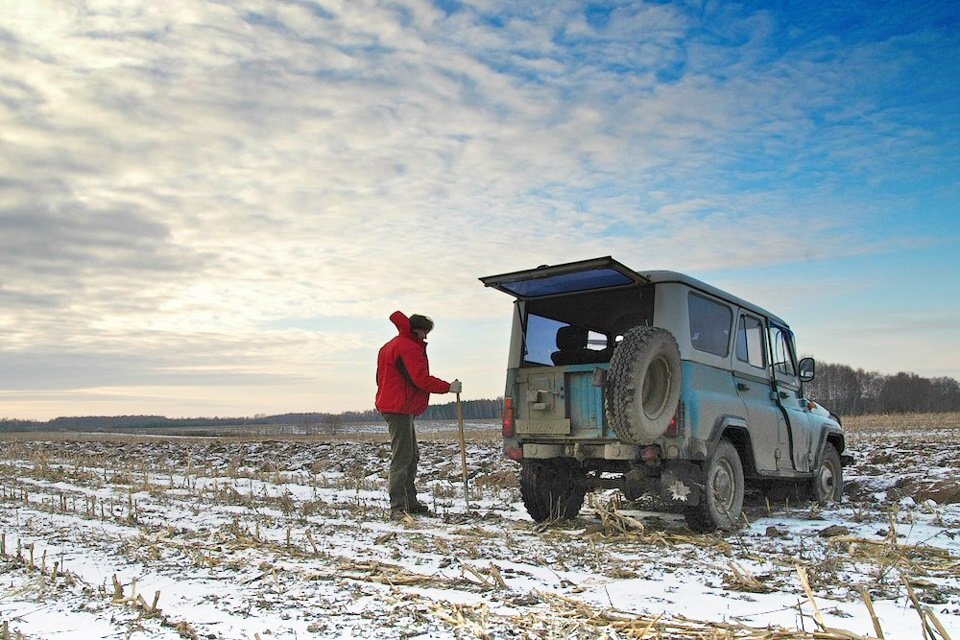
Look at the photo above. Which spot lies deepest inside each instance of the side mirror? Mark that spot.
(808, 369)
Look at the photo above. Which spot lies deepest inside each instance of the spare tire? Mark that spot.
(643, 385)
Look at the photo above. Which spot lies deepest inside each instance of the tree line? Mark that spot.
(850, 391)
(838, 387)
(472, 410)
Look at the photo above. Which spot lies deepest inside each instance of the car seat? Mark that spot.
(572, 345)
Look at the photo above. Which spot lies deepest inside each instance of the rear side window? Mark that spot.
(710, 323)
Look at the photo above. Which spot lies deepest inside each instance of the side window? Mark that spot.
(710, 323)
(750, 342)
(781, 341)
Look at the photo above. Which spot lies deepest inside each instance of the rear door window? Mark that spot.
(750, 342)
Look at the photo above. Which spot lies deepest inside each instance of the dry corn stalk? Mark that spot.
(919, 559)
(929, 623)
(642, 626)
(867, 600)
(616, 526)
(743, 580)
(393, 575)
(472, 618)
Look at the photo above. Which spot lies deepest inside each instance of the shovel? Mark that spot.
(463, 453)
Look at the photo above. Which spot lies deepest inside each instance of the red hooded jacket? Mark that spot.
(404, 383)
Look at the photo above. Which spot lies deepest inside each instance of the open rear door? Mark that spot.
(546, 281)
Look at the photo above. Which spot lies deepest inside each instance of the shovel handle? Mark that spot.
(463, 451)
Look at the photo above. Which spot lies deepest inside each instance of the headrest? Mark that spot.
(571, 338)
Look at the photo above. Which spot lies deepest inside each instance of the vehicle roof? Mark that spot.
(665, 276)
(602, 272)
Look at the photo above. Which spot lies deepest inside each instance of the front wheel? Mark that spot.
(826, 487)
(551, 489)
(722, 498)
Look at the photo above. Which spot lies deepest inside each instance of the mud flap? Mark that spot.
(681, 483)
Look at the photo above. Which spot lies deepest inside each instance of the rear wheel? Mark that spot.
(551, 489)
(826, 486)
(722, 498)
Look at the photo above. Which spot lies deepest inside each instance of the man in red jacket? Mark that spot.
(404, 385)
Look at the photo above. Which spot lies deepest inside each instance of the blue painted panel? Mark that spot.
(707, 393)
(584, 404)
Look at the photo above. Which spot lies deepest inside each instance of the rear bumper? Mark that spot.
(581, 450)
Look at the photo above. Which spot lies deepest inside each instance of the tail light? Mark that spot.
(675, 428)
(507, 418)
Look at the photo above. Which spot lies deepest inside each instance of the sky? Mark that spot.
(210, 208)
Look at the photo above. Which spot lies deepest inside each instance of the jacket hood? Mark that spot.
(402, 323)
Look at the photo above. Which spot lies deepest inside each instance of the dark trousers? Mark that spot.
(403, 462)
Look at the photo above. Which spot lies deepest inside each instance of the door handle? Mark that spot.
(742, 387)
(784, 395)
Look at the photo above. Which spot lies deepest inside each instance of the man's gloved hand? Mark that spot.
(456, 386)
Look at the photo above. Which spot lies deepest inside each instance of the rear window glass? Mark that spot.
(568, 282)
(541, 340)
(710, 323)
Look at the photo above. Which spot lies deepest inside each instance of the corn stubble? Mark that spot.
(272, 517)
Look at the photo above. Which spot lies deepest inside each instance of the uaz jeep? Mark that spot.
(657, 382)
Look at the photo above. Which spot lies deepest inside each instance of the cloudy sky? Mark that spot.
(209, 208)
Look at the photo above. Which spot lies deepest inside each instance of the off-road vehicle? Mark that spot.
(657, 382)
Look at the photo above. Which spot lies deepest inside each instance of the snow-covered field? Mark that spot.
(133, 537)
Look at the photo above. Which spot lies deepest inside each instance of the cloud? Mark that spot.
(179, 177)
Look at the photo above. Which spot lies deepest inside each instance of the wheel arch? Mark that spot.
(734, 429)
(829, 435)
